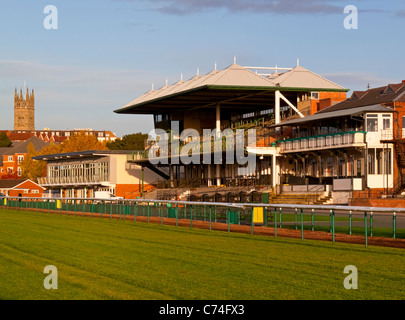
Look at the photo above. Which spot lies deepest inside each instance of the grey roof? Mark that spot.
(80, 154)
(380, 95)
(335, 114)
(3, 151)
(10, 183)
(22, 147)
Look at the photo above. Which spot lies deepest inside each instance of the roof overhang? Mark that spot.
(208, 96)
(334, 114)
(80, 155)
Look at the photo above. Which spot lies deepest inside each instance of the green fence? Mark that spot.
(242, 217)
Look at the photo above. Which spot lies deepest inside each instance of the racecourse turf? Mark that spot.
(112, 259)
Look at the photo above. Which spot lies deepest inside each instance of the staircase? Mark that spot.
(400, 152)
(399, 185)
(324, 200)
(162, 171)
(292, 198)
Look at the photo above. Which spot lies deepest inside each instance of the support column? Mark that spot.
(209, 175)
(277, 108)
(218, 175)
(218, 132)
(171, 173)
(273, 170)
(171, 170)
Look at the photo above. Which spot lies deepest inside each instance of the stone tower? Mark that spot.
(24, 111)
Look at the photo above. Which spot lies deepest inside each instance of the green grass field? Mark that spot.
(111, 259)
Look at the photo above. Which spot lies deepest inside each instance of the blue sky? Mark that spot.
(106, 53)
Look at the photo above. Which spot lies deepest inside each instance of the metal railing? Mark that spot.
(71, 180)
(339, 139)
(253, 218)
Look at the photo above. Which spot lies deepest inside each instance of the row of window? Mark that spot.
(372, 122)
(10, 170)
(100, 169)
(24, 191)
(379, 161)
(19, 158)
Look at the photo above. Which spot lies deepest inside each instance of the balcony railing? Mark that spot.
(198, 146)
(333, 140)
(71, 180)
(387, 135)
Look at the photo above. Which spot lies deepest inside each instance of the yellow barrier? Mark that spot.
(258, 215)
(58, 204)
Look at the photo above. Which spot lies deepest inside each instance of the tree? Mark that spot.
(135, 141)
(82, 141)
(34, 169)
(4, 140)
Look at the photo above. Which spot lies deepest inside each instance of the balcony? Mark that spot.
(72, 181)
(322, 142)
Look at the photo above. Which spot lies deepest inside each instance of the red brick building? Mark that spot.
(11, 157)
(21, 188)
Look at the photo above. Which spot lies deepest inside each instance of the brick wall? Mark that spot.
(373, 202)
(26, 189)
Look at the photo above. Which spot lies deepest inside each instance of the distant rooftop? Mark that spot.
(381, 95)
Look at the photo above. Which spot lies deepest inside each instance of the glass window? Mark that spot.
(386, 121)
(379, 157)
(371, 161)
(359, 168)
(386, 124)
(372, 123)
(340, 167)
(387, 161)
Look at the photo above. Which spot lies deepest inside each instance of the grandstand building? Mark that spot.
(236, 97)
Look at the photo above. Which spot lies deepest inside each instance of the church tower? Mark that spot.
(24, 111)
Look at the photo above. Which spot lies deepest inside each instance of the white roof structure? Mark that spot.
(236, 76)
(300, 77)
